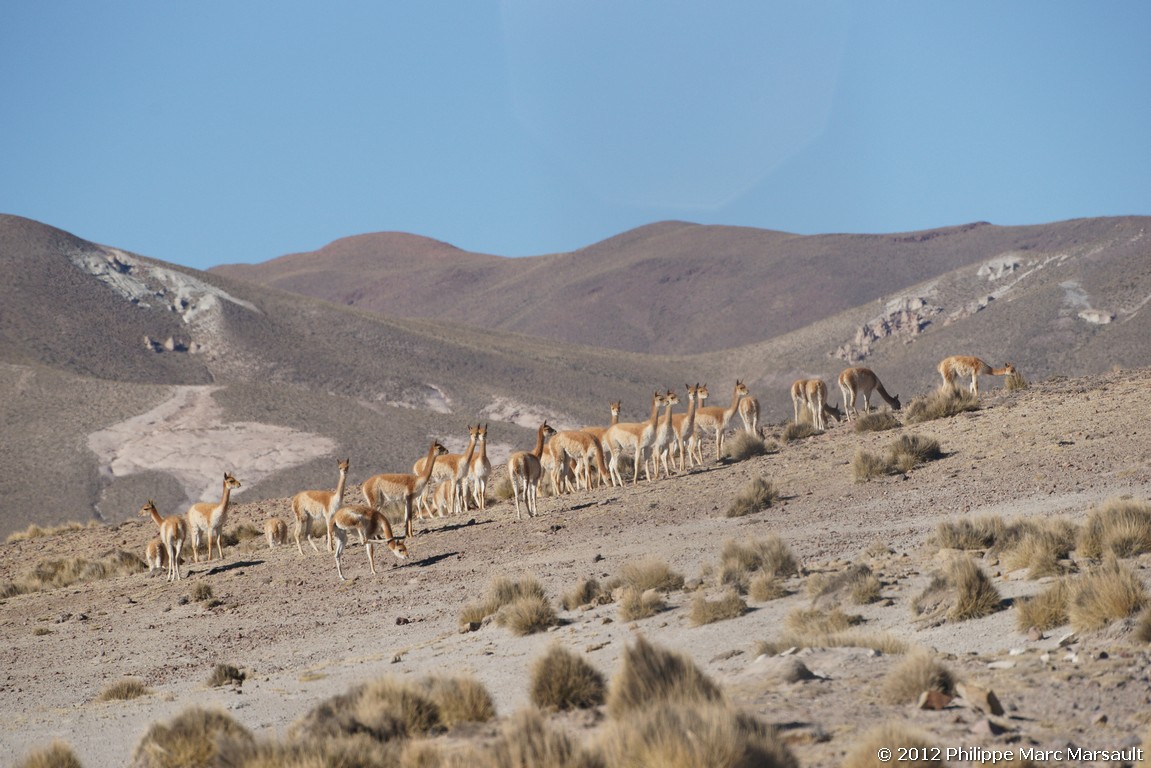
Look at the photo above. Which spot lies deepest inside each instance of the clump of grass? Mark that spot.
(808, 622)
(124, 690)
(941, 404)
(894, 737)
(798, 431)
(960, 592)
(527, 740)
(461, 699)
(1110, 593)
(562, 680)
(967, 533)
(202, 591)
(764, 587)
(1142, 631)
(57, 755)
(868, 466)
(741, 563)
(587, 592)
(1014, 382)
(34, 531)
(650, 675)
(501, 489)
(1045, 610)
(225, 674)
(919, 672)
(759, 494)
(650, 573)
(686, 736)
(877, 421)
(1043, 549)
(704, 611)
(527, 615)
(383, 710)
(909, 451)
(191, 738)
(635, 604)
(884, 642)
(504, 592)
(54, 574)
(857, 582)
(1121, 527)
(743, 446)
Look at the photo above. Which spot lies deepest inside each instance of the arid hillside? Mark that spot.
(989, 594)
(681, 288)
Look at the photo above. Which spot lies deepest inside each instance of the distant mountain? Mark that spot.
(124, 378)
(667, 288)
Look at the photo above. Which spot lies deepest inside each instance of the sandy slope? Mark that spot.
(1054, 449)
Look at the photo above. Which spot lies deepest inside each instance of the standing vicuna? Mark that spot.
(173, 531)
(811, 394)
(379, 489)
(318, 505)
(524, 469)
(962, 366)
(208, 517)
(369, 523)
(715, 418)
(452, 470)
(637, 435)
(854, 382)
(481, 470)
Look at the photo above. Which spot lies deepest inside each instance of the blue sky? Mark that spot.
(214, 132)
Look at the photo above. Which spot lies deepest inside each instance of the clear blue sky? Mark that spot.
(211, 132)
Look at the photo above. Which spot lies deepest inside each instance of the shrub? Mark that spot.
(562, 680)
(1014, 382)
(635, 605)
(1043, 549)
(1143, 626)
(53, 574)
(919, 672)
(961, 591)
(764, 587)
(650, 573)
(893, 737)
(743, 446)
(883, 642)
(867, 466)
(909, 451)
(704, 611)
(225, 674)
(1112, 592)
(34, 531)
(461, 699)
(769, 556)
(966, 533)
(759, 494)
(190, 739)
(649, 675)
(1121, 527)
(527, 740)
(941, 404)
(798, 431)
(809, 622)
(383, 710)
(1045, 610)
(502, 592)
(687, 736)
(587, 592)
(527, 615)
(202, 591)
(123, 690)
(877, 421)
(56, 755)
(857, 582)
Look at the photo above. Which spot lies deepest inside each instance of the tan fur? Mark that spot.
(854, 382)
(636, 435)
(210, 518)
(715, 418)
(378, 490)
(318, 505)
(749, 414)
(811, 395)
(276, 532)
(579, 448)
(450, 469)
(524, 467)
(173, 531)
(369, 523)
(963, 366)
(481, 470)
(665, 436)
(684, 426)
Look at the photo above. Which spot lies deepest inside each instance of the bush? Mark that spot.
(587, 592)
(1110, 593)
(561, 680)
(857, 582)
(649, 676)
(919, 672)
(814, 622)
(868, 466)
(940, 404)
(225, 674)
(1121, 527)
(460, 699)
(704, 611)
(798, 431)
(743, 446)
(960, 592)
(56, 755)
(759, 494)
(635, 605)
(877, 421)
(893, 737)
(527, 615)
(966, 533)
(650, 573)
(191, 739)
(527, 740)
(124, 690)
(1045, 610)
(383, 710)
(769, 557)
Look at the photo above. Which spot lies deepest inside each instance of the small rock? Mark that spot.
(933, 700)
(401, 620)
(781, 669)
(470, 626)
(1001, 665)
(1069, 639)
(1099, 719)
(1034, 634)
(981, 699)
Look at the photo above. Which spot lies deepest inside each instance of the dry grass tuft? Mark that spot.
(1121, 527)
(202, 591)
(1142, 631)
(527, 615)
(527, 740)
(562, 680)
(650, 675)
(1113, 592)
(794, 431)
(764, 587)
(124, 690)
(381, 710)
(967, 533)
(940, 404)
(587, 592)
(650, 573)
(868, 466)
(1044, 549)
(190, 739)
(743, 446)
(877, 421)
(759, 494)
(960, 592)
(34, 531)
(503, 593)
(225, 674)
(1045, 610)
(1014, 382)
(704, 611)
(688, 736)
(893, 737)
(461, 699)
(814, 622)
(919, 672)
(635, 605)
(57, 755)
(54, 574)
(884, 642)
(857, 583)
(909, 451)
(741, 563)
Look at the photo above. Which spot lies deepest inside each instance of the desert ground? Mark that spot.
(1057, 448)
